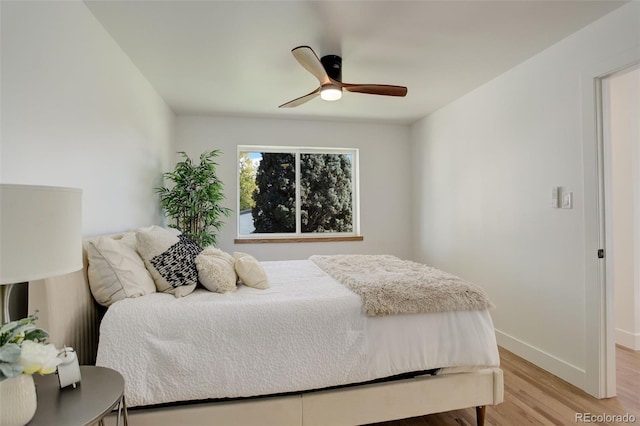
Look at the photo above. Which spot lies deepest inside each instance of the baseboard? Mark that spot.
(566, 371)
(627, 339)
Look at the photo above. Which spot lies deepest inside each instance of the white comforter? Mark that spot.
(305, 332)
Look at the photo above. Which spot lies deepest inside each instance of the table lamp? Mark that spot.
(40, 235)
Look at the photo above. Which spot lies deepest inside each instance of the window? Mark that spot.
(293, 192)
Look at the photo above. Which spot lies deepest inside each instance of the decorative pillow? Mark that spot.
(250, 271)
(115, 270)
(170, 257)
(215, 270)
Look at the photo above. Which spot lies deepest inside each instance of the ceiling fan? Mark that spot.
(328, 71)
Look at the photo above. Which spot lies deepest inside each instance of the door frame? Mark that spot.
(600, 374)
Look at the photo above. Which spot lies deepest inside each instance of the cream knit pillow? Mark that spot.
(215, 270)
(250, 271)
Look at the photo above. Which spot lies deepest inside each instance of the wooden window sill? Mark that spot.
(297, 240)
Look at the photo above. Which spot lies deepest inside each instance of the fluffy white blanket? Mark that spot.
(389, 285)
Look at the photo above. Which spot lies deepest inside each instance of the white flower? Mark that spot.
(38, 357)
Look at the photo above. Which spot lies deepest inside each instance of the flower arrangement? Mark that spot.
(23, 349)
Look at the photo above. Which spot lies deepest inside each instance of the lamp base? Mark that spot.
(4, 306)
(15, 299)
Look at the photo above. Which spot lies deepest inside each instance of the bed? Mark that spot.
(371, 369)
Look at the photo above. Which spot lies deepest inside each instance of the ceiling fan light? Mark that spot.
(331, 92)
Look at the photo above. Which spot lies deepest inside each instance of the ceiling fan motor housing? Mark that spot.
(333, 66)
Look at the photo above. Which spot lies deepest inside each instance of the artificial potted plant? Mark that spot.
(194, 199)
(23, 352)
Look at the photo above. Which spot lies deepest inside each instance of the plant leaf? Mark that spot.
(9, 370)
(9, 352)
(8, 327)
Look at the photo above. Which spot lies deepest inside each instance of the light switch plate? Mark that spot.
(567, 200)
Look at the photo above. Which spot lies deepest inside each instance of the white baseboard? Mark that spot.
(566, 371)
(627, 339)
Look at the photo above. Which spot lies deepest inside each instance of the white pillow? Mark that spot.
(250, 271)
(115, 270)
(215, 270)
(170, 257)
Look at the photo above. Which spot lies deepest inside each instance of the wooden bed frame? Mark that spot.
(69, 313)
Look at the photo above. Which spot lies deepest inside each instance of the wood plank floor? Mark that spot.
(533, 396)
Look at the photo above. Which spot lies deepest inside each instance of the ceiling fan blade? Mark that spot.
(310, 61)
(376, 89)
(301, 99)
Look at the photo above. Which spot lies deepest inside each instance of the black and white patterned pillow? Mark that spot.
(170, 258)
(177, 264)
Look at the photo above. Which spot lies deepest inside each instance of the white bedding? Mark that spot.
(305, 332)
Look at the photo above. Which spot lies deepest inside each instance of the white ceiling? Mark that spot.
(234, 57)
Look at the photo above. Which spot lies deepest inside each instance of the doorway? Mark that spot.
(621, 177)
(621, 149)
(618, 153)
(600, 349)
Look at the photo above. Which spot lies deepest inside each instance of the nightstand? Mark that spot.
(99, 391)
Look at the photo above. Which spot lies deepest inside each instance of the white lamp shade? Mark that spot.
(40, 232)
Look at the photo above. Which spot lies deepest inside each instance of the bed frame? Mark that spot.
(69, 313)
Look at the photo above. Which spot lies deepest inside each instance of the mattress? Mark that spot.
(305, 332)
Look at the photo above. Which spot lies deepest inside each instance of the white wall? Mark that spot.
(76, 112)
(624, 108)
(384, 176)
(483, 169)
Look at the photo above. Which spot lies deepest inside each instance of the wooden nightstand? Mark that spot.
(99, 391)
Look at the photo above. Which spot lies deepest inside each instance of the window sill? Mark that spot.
(297, 240)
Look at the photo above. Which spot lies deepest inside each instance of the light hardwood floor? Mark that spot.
(533, 396)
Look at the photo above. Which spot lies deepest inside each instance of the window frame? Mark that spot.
(299, 236)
